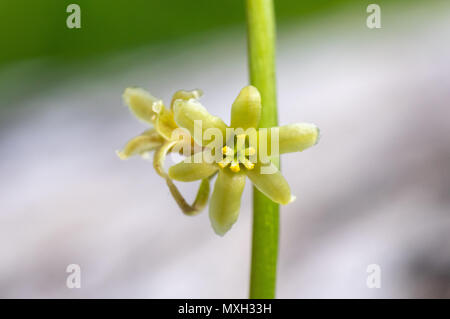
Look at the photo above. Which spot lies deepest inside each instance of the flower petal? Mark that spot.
(291, 138)
(147, 141)
(226, 200)
(193, 116)
(164, 122)
(189, 170)
(269, 181)
(140, 103)
(186, 95)
(203, 191)
(246, 109)
(298, 137)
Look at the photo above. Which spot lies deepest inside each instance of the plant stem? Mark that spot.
(261, 55)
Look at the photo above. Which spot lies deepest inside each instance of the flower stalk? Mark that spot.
(261, 59)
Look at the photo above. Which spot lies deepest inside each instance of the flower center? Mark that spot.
(237, 154)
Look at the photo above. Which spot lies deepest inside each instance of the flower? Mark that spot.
(161, 139)
(236, 155)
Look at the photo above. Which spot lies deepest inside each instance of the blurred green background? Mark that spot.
(36, 32)
(38, 28)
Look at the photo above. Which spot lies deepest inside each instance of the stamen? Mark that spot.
(224, 149)
(249, 165)
(221, 164)
(250, 151)
(235, 167)
(224, 163)
(240, 144)
(227, 151)
(237, 155)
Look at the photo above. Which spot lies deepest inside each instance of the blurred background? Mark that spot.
(375, 190)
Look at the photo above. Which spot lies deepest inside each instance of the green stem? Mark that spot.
(261, 54)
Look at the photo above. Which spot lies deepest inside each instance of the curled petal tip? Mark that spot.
(197, 93)
(293, 198)
(157, 106)
(186, 95)
(140, 103)
(126, 95)
(121, 155)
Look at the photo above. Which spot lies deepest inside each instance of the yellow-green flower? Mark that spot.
(160, 139)
(238, 155)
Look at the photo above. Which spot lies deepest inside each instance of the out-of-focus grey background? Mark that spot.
(375, 190)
